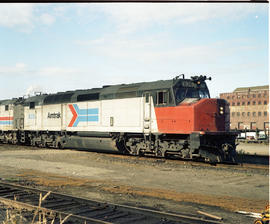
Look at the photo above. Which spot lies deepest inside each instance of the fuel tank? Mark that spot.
(90, 143)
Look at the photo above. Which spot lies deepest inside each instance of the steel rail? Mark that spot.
(89, 211)
(22, 205)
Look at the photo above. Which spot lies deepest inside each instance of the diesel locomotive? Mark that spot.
(166, 118)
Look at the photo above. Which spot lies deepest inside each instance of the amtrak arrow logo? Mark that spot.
(82, 115)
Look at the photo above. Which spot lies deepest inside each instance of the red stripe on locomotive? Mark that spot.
(6, 118)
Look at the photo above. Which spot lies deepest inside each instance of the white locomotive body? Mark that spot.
(161, 118)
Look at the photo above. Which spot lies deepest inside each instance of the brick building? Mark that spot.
(249, 107)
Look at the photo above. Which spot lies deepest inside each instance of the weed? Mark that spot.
(14, 213)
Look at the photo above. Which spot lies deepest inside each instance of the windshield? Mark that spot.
(183, 93)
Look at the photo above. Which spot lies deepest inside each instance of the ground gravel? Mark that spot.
(175, 186)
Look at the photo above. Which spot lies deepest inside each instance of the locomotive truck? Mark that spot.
(166, 118)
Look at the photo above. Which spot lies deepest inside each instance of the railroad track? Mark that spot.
(244, 160)
(78, 210)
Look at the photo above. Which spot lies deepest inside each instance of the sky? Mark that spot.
(59, 47)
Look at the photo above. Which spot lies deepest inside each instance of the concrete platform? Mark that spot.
(253, 148)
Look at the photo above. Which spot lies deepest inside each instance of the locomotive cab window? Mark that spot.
(32, 105)
(162, 97)
(182, 93)
(6, 108)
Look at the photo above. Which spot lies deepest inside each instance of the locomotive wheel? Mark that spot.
(14, 141)
(159, 153)
(213, 159)
(59, 145)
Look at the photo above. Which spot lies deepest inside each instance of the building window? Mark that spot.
(240, 125)
(248, 114)
(238, 103)
(228, 97)
(247, 96)
(254, 95)
(259, 113)
(243, 103)
(248, 103)
(6, 107)
(233, 114)
(243, 114)
(233, 104)
(253, 125)
(259, 102)
(265, 102)
(254, 114)
(265, 113)
(232, 97)
(238, 114)
(254, 102)
(259, 95)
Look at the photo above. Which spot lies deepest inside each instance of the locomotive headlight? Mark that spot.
(221, 110)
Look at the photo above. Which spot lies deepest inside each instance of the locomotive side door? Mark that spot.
(146, 113)
(18, 117)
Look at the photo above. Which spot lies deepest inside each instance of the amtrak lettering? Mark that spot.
(54, 115)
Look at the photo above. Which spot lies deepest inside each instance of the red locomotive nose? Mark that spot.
(209, 115)
(203, 115)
